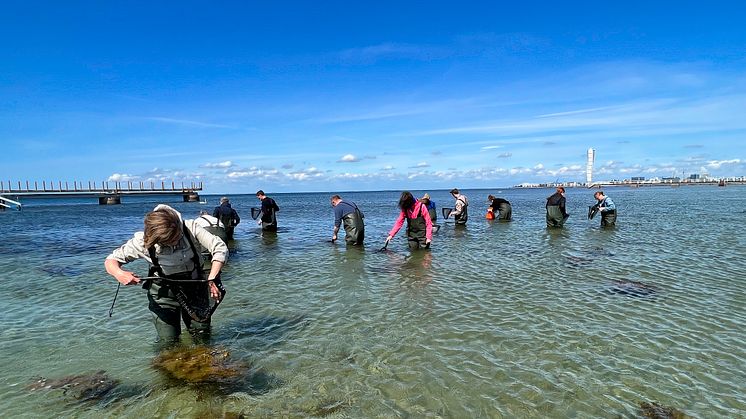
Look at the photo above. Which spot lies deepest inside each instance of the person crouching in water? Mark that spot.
(172, 248)
(419, 224)
(431, 209)
(460, 212)
(349, 214)
(212, 225)
(501, 207)
(607, 208)
(556, 212)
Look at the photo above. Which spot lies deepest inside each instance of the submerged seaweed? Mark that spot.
(212, 371)
(653, 410)
(197, 364)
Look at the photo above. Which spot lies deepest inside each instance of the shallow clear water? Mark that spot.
(497, 320)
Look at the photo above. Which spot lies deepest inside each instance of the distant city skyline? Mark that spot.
(340, 96)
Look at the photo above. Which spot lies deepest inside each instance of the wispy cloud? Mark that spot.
(188, 122)
(504, 155)
(222, 165)
(396, 110)
(390, 50)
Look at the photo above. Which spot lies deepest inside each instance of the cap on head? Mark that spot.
(260, 193)
(454, 191)
(224, 199)
(426, 196)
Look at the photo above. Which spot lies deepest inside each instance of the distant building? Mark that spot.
(637, 179)
(589, 166)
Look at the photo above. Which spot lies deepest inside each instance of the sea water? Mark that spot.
(495, 320)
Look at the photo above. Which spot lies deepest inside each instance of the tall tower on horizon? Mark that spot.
(589, 166)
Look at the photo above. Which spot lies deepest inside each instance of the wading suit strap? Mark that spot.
(177, 290)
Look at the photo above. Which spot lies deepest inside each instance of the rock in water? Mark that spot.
(81, 387)
(633, 289)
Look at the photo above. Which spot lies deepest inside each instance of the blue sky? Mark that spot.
(323, 96)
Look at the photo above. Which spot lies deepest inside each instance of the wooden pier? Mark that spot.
(108, 193)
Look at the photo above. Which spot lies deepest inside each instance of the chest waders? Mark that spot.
(269, 221)
(505, 211)
(464, 216)
(354, 225)
(229, 223)
(416, 230)
(181, 296)
(608, 218)
(555, 218)
(216, 229)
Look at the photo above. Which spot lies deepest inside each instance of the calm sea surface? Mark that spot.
(497, 320)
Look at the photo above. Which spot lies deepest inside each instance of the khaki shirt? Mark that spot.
(173, 259)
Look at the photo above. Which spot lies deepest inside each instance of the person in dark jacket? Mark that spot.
(227, 215)
(268, 219)
(556, 212)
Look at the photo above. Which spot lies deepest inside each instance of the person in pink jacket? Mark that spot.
(419, 224)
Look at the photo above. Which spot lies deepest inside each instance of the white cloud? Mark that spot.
(222, 165)
(348, 158)
(504, 155)
(122, 177)
(717, 164)
(389, 167)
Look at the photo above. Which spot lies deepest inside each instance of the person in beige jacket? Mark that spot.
(173, 249)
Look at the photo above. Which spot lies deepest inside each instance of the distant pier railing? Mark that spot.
(107, 192)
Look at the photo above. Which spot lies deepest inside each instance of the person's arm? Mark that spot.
(216, 213)
(114, 268)
(337, 221)
(459, 207)
(219, 252)
(128, 252)
(236, 217)
(428, 224)
(211, 243)
(397, 225)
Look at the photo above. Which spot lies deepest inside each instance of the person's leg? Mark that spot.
(200, 331)
(166, 314)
